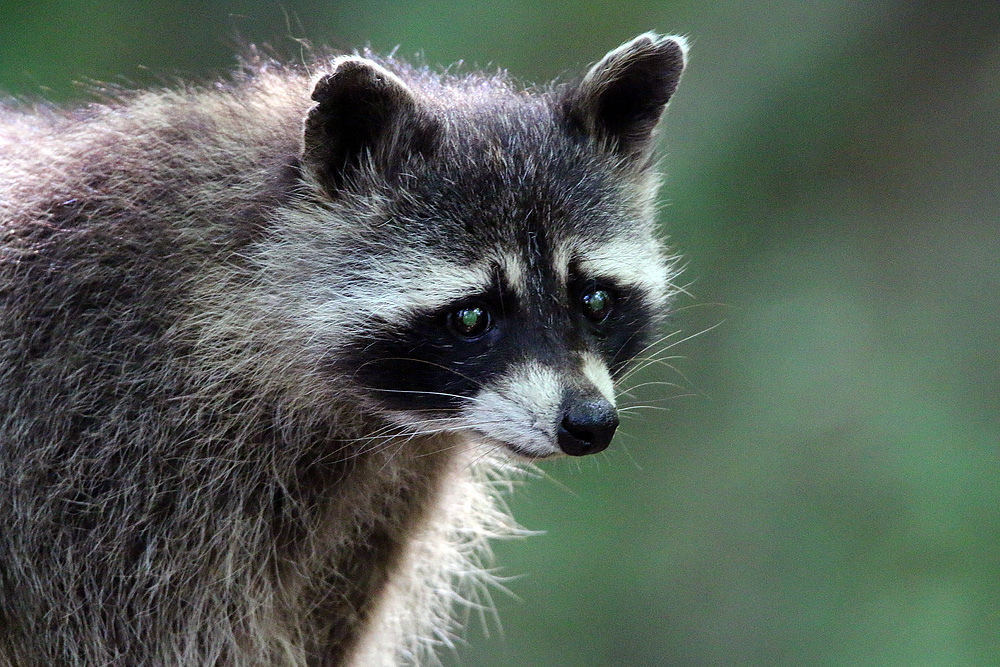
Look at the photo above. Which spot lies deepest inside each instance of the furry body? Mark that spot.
(264, 346)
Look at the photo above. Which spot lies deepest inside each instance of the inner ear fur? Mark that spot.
(621, 99)
(363, 112)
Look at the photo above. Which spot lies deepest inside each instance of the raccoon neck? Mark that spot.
(367, 521)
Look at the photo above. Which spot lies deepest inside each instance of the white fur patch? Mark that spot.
(515, 272)
(562, 255)
(596, 371)
(447, 565)
(337, 298)
(401, 289)
(522, 412)
(629, 262)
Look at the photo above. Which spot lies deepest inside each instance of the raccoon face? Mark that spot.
(524, 367)
(508, 268)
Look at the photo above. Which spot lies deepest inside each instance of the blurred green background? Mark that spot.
(823, 486)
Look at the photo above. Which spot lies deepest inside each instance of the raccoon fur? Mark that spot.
(268, 348)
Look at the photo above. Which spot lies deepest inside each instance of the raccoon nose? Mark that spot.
(587, 427)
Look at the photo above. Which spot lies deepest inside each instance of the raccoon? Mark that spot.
(269, 348)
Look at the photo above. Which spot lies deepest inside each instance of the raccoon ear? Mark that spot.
(622, 97)
(363, 111)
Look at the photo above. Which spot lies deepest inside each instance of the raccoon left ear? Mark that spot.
(622, 97)
(363, 112)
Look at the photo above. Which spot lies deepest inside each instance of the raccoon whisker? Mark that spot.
(664, 399)
(440, 450)
(460, 444)
(454, 429)
(502, 451)
(683, 289)
(492, 450)
(696, 334)
(655, 343)
(656, 359)
(420, 392)
(651, 383)
(411, 434)
(628, 454)
(630, 370)
(642, 364)
(397, 451)
(699, 306)
(376, 444)
(377, 439)
(638, 364)
(393, 430)
(544, 474)
(404, 431)
(656, 355)
(687, 383)
(632, 408)
(658, 341)
(654, 351)
(634, 400)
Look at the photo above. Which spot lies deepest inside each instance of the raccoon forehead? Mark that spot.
(635, 262)
(419, 285)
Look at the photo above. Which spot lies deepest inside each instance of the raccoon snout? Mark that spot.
(587, 427)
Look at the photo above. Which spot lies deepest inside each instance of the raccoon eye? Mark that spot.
(470, 321)
(597, 305)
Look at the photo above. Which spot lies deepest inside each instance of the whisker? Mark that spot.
(615, 359)
(656, 342)
(417, 391)
(628, 371)
(651, 383)
(632, 408)
(661, 399)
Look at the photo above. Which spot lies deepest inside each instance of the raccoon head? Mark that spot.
(493, 249)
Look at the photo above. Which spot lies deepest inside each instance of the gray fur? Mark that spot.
(192, 286)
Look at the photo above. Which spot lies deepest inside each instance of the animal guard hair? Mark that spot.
(269, 348)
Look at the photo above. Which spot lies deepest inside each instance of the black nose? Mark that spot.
(587, 427)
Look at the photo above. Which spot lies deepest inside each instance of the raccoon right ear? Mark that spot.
(621, 99)
(363, 112)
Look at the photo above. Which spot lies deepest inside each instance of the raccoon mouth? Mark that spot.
(517, 450)
(520, 452)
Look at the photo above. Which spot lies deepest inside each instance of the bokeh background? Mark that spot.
(823, 485)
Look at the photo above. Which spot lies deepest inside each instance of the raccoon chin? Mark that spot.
(517, 451)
